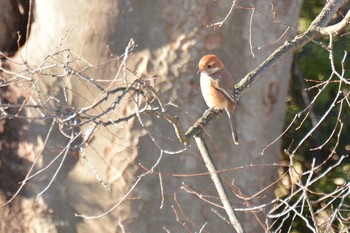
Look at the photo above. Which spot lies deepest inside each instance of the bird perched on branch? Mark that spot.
(218, 88)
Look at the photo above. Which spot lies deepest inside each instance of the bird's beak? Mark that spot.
(199, 72)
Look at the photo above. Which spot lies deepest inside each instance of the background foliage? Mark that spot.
(312, 66)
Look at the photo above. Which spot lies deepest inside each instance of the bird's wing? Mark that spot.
(227, 87)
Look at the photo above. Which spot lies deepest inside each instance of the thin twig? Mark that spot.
(28, 176)
(219, 24)
(290, 46)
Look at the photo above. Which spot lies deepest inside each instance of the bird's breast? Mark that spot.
(212, 96)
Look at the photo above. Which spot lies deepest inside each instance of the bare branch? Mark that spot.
(287, 48)
(336, 28)
(217, 182)
(219, 24)
(290, 46)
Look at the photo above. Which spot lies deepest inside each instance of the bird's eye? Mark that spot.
(209, 66)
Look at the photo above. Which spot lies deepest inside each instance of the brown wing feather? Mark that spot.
(225, 85)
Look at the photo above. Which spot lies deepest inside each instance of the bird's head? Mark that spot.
(210, 64)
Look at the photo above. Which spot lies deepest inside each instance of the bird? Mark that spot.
(218, 88)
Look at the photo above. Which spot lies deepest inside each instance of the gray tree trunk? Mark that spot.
(171, 36)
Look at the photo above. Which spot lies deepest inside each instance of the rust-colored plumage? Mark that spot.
(218, 88)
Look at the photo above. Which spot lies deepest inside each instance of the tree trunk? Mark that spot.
(171, 37)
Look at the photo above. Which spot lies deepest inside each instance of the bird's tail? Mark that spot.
(231, 118)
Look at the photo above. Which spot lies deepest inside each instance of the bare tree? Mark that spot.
(110, 106)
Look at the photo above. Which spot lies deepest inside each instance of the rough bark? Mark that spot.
(171, 36)
(9, 22)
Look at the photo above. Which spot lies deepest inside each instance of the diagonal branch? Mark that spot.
(217, 182)
(336, 28)
(316, 28)
(290, 46)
